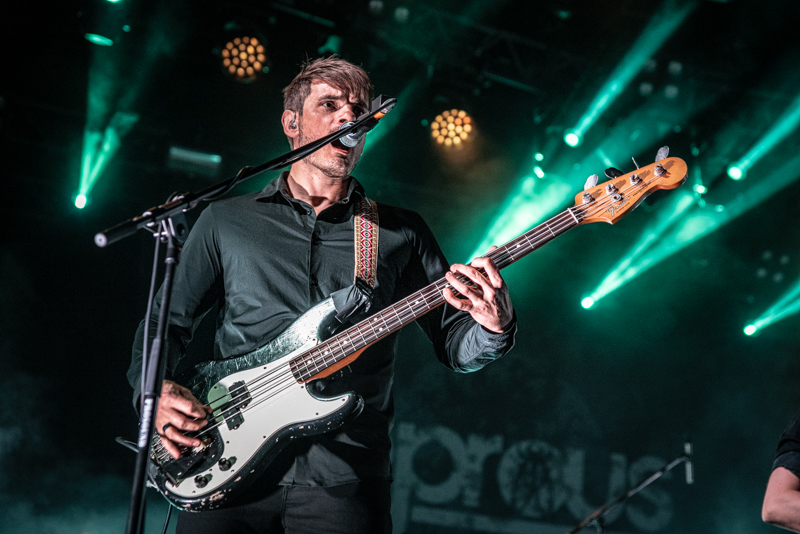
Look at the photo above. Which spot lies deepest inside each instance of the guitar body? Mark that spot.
(238, 444)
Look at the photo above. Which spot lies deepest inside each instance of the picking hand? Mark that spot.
(178, 410)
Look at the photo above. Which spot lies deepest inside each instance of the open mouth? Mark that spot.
(337, 145)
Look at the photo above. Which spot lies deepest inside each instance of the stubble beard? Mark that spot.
(331, 167)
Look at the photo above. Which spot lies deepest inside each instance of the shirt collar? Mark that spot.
(278, 186)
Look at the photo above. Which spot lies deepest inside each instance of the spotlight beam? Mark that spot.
(682, 231)
(526, 207)
(661, 26)
(785, 125)
(788, 304)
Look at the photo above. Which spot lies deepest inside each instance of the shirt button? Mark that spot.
(312, 280)
(316, 241)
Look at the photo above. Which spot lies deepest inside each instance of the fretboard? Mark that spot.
(383, 323)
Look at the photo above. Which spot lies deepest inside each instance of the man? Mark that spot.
(266, 258)
(782, 499)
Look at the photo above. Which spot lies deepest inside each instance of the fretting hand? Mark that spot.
(488, 301)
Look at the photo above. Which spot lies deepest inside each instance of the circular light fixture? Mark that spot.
(452, 127)
(750, 329)
(81, 201)
(571, 138)
(736, 172)
(587, 303)
(244, 58)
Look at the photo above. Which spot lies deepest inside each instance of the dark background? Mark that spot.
(657, 361)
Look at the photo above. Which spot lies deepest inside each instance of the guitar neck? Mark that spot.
(345, 344)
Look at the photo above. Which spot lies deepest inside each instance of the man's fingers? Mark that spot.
(175, 436)
(476, 278)
(457, 303)
(461, 287)
(492, 272)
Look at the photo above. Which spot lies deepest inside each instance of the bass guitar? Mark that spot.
(261, 400)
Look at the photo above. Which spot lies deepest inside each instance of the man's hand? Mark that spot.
(488, 302)
(178, 411)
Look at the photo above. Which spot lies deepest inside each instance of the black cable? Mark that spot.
(166, 523)
(150, 298)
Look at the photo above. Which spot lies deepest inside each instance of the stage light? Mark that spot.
(104, 24)
(97, 39)
(700, 189)
(750, 329)
(787, 305)
(571, 138)
(736, 172)
(661, 26)
(538, 172)
(587, 303)
(683, 220)
(80, 201)
(527, 205)
(538, 156)
(244, 59)
(452, 127)
(783, 126)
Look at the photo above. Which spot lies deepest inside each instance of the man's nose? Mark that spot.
(346, 114)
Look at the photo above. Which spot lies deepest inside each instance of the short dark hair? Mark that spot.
(336, 72)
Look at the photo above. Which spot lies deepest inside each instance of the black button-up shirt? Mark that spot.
(265, 258)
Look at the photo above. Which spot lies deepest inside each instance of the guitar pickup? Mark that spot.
(229, 406)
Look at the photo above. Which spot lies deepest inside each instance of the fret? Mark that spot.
(573, 216)
(394, 309)
(382, 324)
(349, 340)
(358, 329)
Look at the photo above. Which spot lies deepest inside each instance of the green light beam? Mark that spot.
(661, 26)
(696, 224)
(785, 125)
(787, 305)
(525, 208)
(673, 208)
(409, 95)
(114, 88)
(99, 150)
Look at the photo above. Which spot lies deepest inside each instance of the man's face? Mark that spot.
(324, 111)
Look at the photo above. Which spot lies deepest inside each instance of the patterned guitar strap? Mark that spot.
(365, 224)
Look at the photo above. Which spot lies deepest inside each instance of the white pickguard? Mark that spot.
(261, 422)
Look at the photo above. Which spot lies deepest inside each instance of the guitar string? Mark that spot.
(559, 226)
(309, 355)
(595, 206)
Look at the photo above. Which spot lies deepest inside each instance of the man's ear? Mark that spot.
(289, 122)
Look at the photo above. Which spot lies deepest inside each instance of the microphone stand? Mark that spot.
(597, 516)
(160, 218)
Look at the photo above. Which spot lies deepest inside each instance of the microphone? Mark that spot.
(378, 109)
(353, 138)
(687, 449)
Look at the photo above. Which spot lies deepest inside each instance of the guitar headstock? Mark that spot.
(613, 199)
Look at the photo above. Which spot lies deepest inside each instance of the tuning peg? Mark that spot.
(662, 153)
(591, 182)
(613, 172)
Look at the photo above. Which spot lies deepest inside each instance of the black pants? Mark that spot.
(359, 508)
